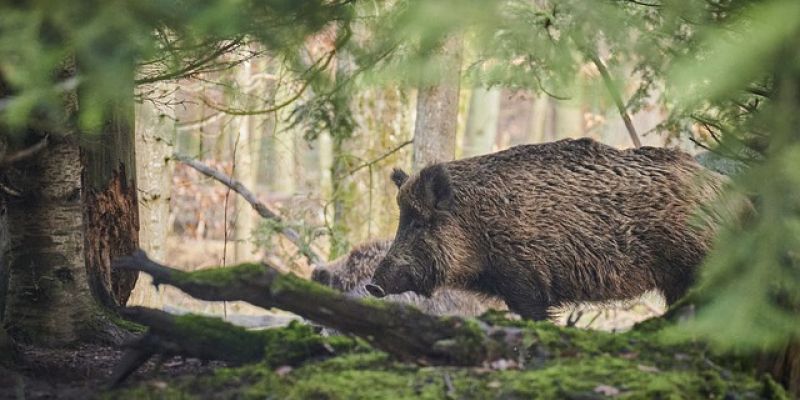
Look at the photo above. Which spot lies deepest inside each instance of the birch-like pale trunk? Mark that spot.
(437, 110)
(155, 138)
(481, 131)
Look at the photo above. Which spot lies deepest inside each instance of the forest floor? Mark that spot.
(83, 372)
(561, 363)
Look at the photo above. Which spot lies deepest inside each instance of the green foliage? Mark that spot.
(750, 287)
(49, 48)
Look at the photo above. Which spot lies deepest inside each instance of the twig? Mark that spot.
(191, 68)
(450, 391)
(616, 96)
(591, 321)
(381, 158)
(260, 207)
(574, 317)
(24, 153)
(290, 100)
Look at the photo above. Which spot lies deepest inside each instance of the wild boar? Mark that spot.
(352, 272)
(552, 224)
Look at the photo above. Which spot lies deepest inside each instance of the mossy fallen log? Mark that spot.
(400, 330)
(210, 338)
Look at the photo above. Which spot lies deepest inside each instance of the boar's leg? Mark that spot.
(529, 310)
(524, 301)
(674, 288)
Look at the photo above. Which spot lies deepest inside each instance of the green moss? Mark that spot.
(563, 363)
(287, 345)
(222, 276)
(290, 282)
(208, 331)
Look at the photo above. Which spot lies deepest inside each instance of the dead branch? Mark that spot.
(399, 329)
(261, 208)
(617, 97)
(24, 153)
(381, 157)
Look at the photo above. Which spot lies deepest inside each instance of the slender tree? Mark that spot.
(437, 109)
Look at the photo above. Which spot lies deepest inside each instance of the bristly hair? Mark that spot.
(399, 177)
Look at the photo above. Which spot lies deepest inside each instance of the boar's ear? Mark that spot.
(399, 177)
(437, 190)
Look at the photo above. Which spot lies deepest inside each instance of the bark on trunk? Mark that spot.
(481, 130)
(155, 135)
(111, 213)
(437, 111)
(49, 300)
(73, 211)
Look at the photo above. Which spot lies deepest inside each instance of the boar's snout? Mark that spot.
(375, 290)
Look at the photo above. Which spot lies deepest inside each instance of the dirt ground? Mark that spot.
(82, 372)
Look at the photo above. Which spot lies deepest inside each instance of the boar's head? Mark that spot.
(430, 239)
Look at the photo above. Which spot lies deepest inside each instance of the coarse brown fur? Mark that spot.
(350, 273)
(553, 224)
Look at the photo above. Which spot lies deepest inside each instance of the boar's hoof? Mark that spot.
(375, 290)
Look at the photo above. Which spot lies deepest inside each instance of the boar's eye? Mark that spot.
(409, 217)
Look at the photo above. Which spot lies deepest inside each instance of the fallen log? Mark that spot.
(400, 330)
(209, 338)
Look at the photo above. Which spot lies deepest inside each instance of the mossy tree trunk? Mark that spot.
(75, 210)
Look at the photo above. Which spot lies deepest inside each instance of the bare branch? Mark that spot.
(24, 153)
(261, 208)
(616, 96)
(193, 67)
(290, 100)
(381, 158)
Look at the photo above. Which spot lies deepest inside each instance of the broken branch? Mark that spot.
(617, 97)
(261, 208)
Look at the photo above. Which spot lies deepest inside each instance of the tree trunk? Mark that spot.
(481, 131)
(437, 111)
(111, 213)
(49, 300)
(155, 135)
(247, 146)
(75, 211)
